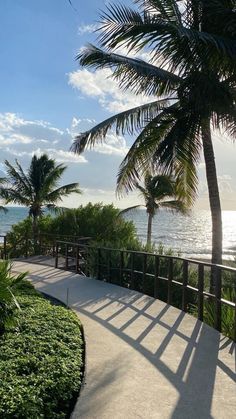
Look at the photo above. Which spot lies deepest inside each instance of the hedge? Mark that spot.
(41, 361)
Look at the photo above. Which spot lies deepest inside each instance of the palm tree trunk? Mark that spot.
(213, 190)
(149, 229)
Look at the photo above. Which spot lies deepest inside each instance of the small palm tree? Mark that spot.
(36, 188)
(159, 191)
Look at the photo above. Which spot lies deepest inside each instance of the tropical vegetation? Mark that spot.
(158, 192)
(99, 222)
(37, 188)
(189, 75)
(9, 284)
(41, 358)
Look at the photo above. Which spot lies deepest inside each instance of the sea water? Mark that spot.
(188, 234)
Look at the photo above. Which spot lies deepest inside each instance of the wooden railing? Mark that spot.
(161, 276)
(45, 245)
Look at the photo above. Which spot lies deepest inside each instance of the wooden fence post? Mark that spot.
(144, 270)
(121, 266)
(108, 265)
(217, 298)
(185, 283)
(156, 278)
(132, 272)
(200, 291)
(77, 259)
(66, 255)
(99, 258)
(56, 259)
(170, 278)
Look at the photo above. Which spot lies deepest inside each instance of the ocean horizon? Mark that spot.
(189, 235)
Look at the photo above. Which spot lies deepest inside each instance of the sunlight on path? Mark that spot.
(144, 358)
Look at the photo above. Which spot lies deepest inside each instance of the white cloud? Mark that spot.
(61, 156)
(87, 28)
(99, 85)
(113, 144)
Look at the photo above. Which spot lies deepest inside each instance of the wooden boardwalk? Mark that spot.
(144, 359)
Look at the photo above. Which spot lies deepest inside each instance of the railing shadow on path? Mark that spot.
(191, 370)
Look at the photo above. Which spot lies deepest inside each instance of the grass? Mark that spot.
(41, 359)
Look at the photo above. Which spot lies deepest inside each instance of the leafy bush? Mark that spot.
(40, 361)
(8, 286)
(227, 312)
(19, 238)
(100, 222)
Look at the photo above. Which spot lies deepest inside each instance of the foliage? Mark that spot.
(227, 312)
(38, 186)
(40, 362)
(8, 286)
(19, 238)
(190, 69)
(100, 222)
(111, 262)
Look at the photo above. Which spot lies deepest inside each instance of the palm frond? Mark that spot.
(11, 195)
(179, 152)
(174, 206)
(177, 45)
(129, 209)
(159, 186)
(61, 192)
(131, 73)
(130, 122)
(17, 178)
(139, 158)
(167, 9)
(3, 209)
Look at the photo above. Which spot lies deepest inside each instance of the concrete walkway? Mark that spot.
(144, 358)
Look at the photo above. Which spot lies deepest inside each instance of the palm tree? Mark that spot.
(157, 193)
(36, 188)
(192, 73)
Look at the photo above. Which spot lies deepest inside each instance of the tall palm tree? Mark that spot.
(191, 71)
(158, 192)
(36, 188)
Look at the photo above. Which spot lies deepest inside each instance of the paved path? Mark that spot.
(145, 359)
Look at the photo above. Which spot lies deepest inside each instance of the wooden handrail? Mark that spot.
(104, 270)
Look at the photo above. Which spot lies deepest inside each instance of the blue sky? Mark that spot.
(46, 99)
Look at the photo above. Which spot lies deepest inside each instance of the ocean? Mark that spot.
(190, 235)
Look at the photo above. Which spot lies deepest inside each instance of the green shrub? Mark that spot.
(19, 238)
(100, 222)
(227, 312)
(9, 284)
(40, 362)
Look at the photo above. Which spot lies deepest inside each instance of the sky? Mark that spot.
(46, 99)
